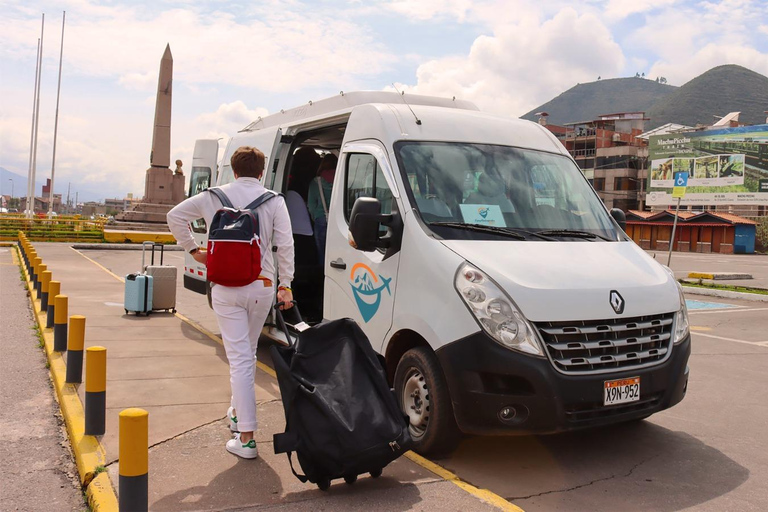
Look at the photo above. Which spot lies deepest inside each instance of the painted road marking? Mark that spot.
(484, 495)
(698, 328)
(698, 304)
(755, 343)
(733, 310)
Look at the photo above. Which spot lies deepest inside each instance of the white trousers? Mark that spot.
(241, 312)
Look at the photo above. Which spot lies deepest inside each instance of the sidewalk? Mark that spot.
(179, 374)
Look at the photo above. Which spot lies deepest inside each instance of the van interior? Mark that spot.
(306, 152)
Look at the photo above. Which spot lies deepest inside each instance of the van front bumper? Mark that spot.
(499, 391)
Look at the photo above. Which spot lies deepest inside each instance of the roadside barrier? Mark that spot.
(39, 285)
(75, 345)
(61, 303)
(35, 265)
(134, 460)
(31, 262)
(54, 289)
(95, 391)
(45, 279)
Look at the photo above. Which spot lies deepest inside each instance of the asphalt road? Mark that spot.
(37, 472)
(710, 452)
(685, 262)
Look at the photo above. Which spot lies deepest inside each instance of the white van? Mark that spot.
(483, 267)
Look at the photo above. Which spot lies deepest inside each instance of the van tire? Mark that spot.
(423, 396)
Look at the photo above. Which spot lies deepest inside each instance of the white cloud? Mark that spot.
(429, 9)
(619, 9)
(229, 118)
(525, 64)
(139, 81)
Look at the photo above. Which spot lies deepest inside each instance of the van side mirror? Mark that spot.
(364, 225)
(620, 218)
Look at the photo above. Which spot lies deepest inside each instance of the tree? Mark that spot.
(662, 80)
(761, 234)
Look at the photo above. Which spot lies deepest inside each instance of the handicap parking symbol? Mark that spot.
(681, 179)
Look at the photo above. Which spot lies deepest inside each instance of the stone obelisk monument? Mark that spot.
(163, 188)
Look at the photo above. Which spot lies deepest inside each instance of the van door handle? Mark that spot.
(339, 264)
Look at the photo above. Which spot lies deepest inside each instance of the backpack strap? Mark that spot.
(222, 197)
(269, 194)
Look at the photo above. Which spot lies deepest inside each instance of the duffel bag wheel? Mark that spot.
(324, 484)
(422, 393)
(375, 474)
(350, 479)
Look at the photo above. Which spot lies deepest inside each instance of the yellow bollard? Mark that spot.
(61, 303)
(35, 263)
(45, 281)
(134, 460)
(75, 345)
(54, 289)
(39, 283)
(95, 390)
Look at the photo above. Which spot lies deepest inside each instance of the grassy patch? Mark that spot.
(99, 469)
(726, 287)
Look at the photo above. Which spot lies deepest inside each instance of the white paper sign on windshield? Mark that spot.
(483, 214)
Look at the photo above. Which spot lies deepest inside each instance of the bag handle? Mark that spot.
(222, 197)
(261, 200)
(299, 326)
(322, 196)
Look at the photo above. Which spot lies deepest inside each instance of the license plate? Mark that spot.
(621, 391)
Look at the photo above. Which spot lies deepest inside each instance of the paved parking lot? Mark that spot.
(708, 453)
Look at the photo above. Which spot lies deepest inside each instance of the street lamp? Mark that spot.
(11, 180)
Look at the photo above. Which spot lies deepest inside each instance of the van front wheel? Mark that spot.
(423, 396)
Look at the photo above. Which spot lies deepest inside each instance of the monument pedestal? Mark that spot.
(162, 191)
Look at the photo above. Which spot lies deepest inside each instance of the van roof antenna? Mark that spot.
(402, 95)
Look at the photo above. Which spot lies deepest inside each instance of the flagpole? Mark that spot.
(674, 227)
(56, 122)
(28, 209)
(37, 116)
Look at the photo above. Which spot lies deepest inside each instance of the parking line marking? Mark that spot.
(756, 343)
(733, 310)
(485, 495)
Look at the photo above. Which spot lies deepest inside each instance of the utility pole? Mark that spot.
(37, 117)
(29, 210)
(56, 122)
(68, 205)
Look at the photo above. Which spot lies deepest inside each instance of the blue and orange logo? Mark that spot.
(483, 211)
(367, 289)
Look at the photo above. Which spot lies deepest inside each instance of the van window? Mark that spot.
(199, 181)
(500, 188)
(364, 178)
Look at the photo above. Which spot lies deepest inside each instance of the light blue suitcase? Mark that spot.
(138, 294)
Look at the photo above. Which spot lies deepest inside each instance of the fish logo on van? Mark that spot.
(367, 289)
(483, 211)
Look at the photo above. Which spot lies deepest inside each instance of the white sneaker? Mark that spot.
(246, 451)
(232, 420)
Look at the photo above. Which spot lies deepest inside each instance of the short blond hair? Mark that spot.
(247, 162)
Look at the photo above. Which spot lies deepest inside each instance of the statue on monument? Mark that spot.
(163, 188)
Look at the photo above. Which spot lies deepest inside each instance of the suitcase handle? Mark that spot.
(299, 326)
(152, 260)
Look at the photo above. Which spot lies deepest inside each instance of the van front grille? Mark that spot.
(600, 346)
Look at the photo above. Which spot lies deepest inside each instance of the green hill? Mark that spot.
(585, 102)
(717, 92)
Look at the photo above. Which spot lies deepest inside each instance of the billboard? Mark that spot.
(725, 166)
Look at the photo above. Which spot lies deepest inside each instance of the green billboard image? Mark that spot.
(725, 166)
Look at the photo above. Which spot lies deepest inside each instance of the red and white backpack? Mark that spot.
(234, 253)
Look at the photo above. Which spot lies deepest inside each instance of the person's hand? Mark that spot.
(201, 256)
(285, 295)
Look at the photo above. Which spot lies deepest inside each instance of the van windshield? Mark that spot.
(465, 190)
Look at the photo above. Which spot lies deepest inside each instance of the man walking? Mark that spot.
(242, 310)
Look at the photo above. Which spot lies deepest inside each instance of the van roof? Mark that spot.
(345, 102)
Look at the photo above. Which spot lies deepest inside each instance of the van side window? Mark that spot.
(364, 179)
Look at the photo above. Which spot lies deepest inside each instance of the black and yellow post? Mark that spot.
(39, 284)
(31, 265)
(61, 304)
(35, 264)
(95, 391)
(134, 460)
(54, 289)
(45, 280)
(75, 345)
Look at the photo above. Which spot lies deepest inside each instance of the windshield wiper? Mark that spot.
(518, 234)
(573, 233)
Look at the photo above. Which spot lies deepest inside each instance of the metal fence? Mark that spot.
(54, 229)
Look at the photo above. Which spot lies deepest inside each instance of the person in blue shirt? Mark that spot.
(319, 198)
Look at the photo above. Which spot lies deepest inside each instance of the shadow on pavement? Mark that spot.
(633, 466)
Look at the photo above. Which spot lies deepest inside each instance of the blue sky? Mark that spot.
(235, 60)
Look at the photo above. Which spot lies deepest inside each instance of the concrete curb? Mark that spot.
(121, 247)
(725, 294)
(89, 453)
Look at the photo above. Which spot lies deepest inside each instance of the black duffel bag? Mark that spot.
(342, 419)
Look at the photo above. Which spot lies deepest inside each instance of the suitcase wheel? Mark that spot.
(324, 484)
(126, 311)
(350, 479)
(375, 474)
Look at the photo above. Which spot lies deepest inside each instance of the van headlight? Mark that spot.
(682, 327)
(495, 312)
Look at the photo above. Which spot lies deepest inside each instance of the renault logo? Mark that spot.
(617, 302)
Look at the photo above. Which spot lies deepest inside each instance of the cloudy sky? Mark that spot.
(235, 60)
